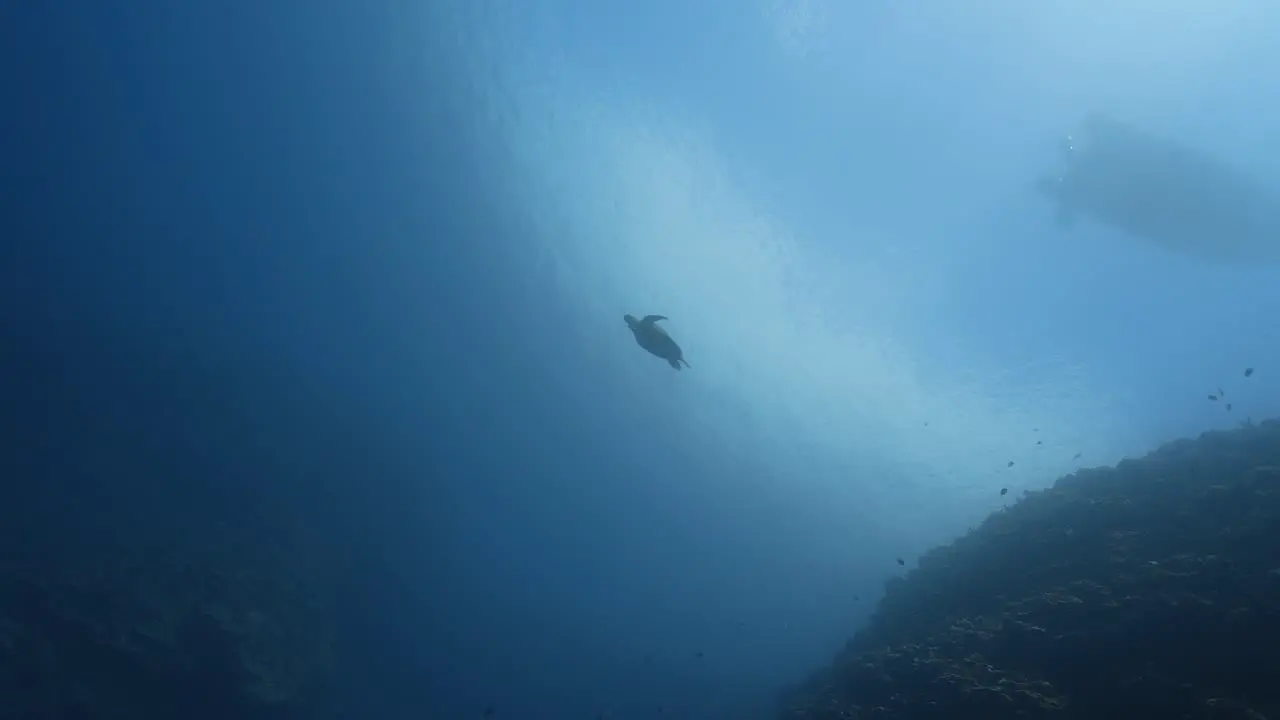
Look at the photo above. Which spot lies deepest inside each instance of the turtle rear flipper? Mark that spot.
(675, 363)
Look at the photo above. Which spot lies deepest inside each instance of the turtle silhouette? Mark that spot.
(651, 337)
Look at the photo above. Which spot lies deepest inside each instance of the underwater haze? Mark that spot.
(418, 226)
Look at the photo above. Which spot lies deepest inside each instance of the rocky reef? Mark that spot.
(1147, 590)
(127, 630)
(164, 552)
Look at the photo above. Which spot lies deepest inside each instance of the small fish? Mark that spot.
(488, 711)
(902, 562)
(1228, 407)
(1213, 398)
(1039, 442)
(1221, 393)
(1004, 491)
(1248, 372)
(1010, 463)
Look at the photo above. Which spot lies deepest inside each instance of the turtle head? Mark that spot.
(631, 321)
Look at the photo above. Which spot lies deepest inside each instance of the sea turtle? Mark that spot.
(653, 338)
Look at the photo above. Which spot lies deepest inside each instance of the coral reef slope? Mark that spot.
(1151, 589)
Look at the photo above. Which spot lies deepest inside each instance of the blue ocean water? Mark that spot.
(361, 267)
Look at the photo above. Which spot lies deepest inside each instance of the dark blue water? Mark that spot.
(276, 275)
(238, 288)
(260, 266)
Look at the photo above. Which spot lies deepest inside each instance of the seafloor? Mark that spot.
(133, 630)
(161, 569)
(1147, 590)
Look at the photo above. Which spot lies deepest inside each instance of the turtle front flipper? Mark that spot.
(650, 319)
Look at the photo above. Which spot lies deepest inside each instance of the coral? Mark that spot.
(1151, 589)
